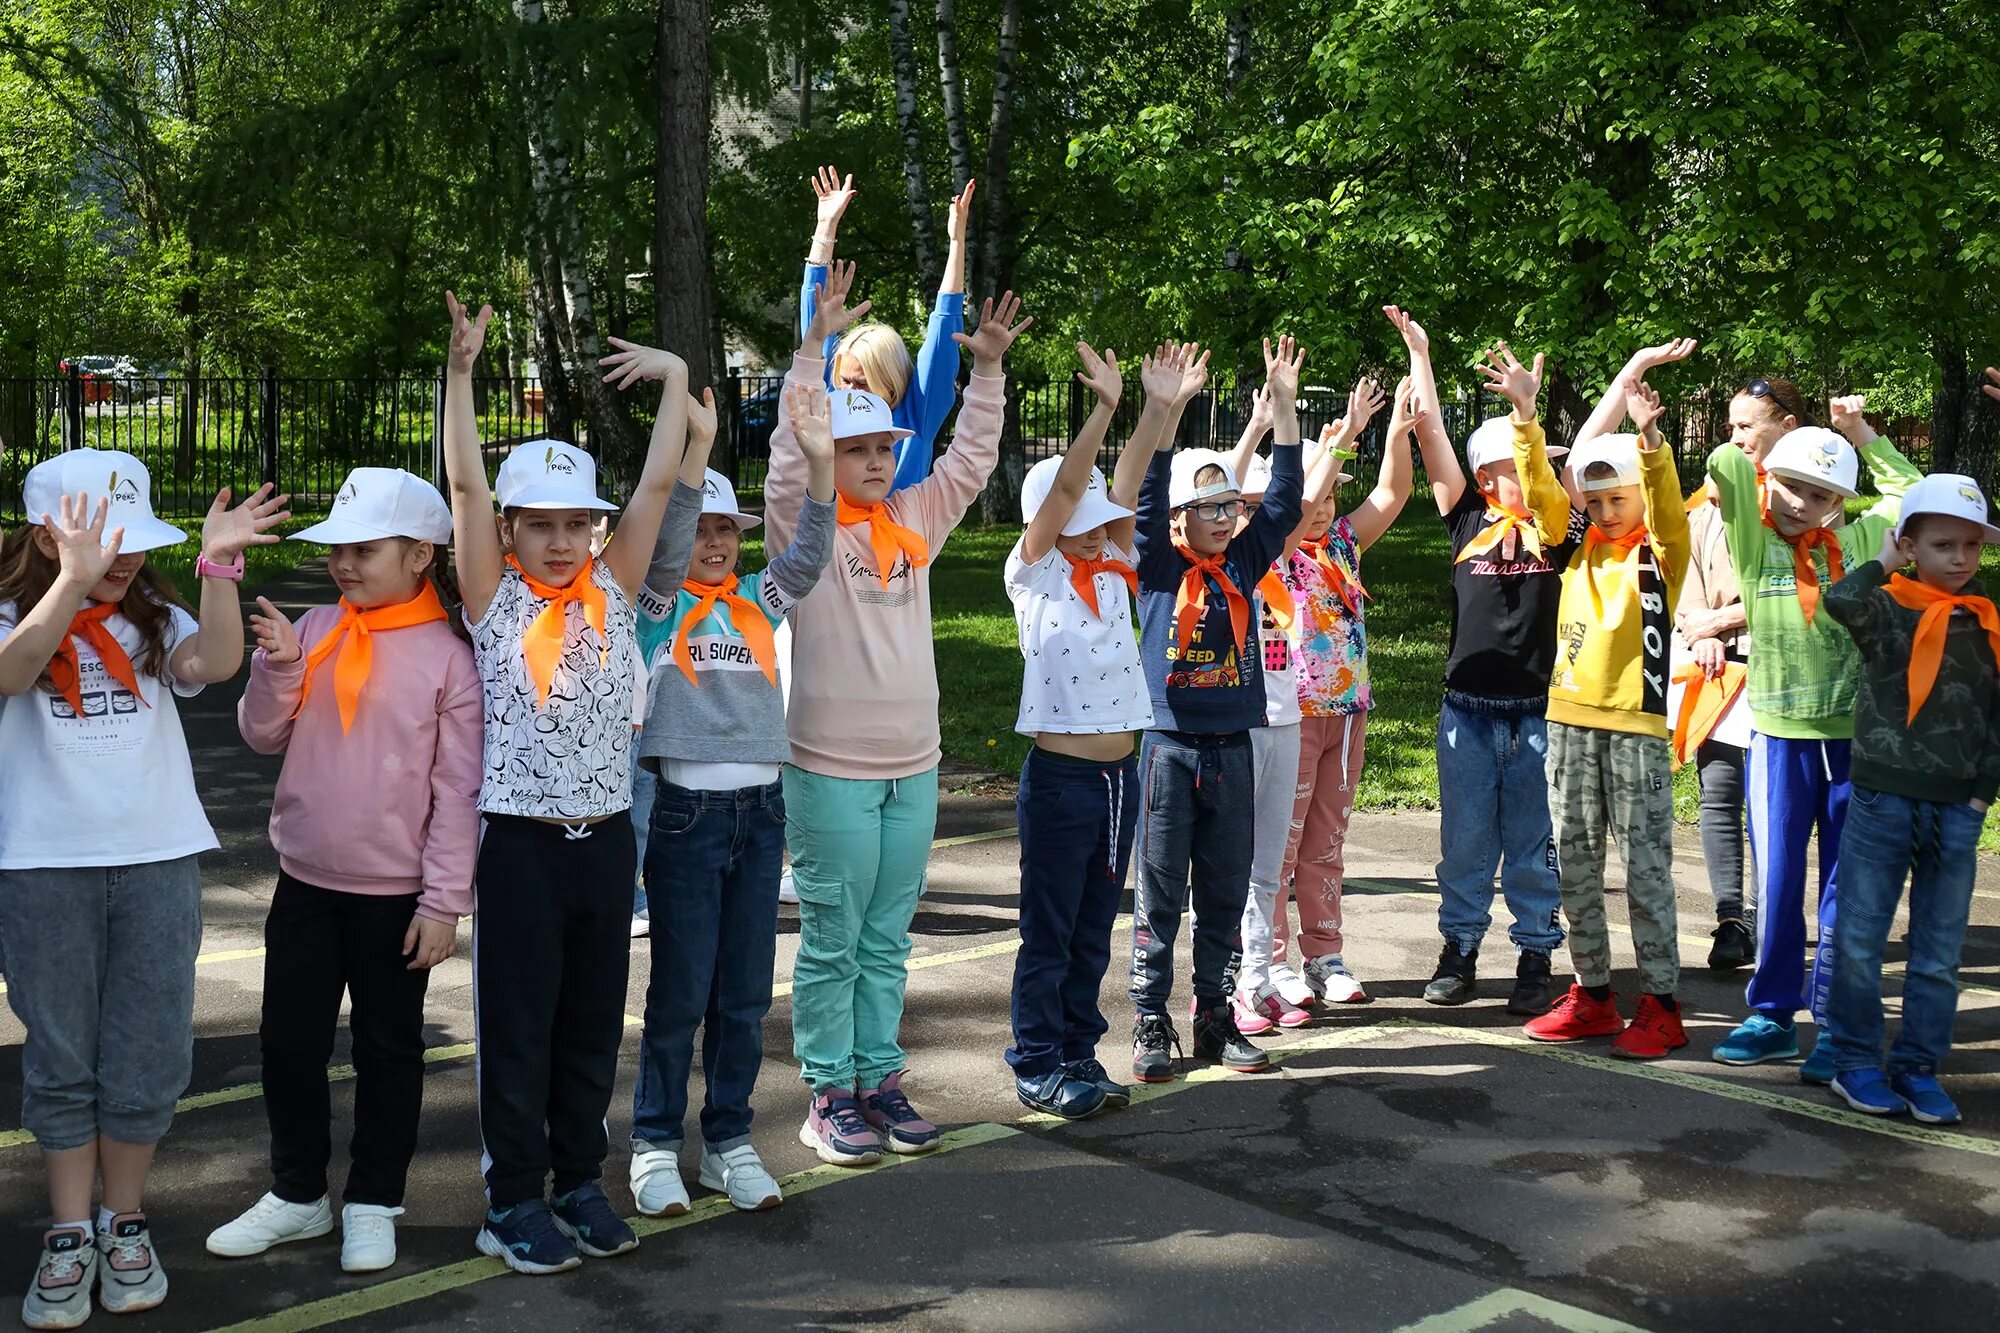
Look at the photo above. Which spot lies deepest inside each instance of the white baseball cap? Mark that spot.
(1951, 494)
(378, 502)
(1181, 488)
(101, 474)
(1818, 457)
(548, 474)
(1620, 453)
(858, 412)
(719, 497)
(1493, 442)
(1095, 509)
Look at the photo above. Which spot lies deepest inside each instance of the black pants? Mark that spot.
(551, 948)
(319, 943)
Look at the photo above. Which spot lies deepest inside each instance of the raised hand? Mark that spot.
(1665, 354)
(1366, 400)
(227, 533)
(1992, 390)
(1847, 414)
(633, 362)
(701, 417)
(1517, 383)
(468, 336)
(1414, 338)
(995, 334)
(831, 315)
(84, 550)
(274, 632)
(1194, 373)
(835, 192)
(812, 421)
(1100, 374)
(958, 216)
(1642, 403)
(1891, 554)
(1160, 371)
(1281, 372)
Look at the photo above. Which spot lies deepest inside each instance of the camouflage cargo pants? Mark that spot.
(1616, 784)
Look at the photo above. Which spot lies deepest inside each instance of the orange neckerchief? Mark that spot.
(1500, 522)
(1592, 538)
(744, 614)
(1083, 577)
(1927, 651)
(1191, 600)
(353, 636)
(1703, 703)
(1805, 577)
(66, 668)
(1278, 597)
(885, 535)
(1347, 585)
(542, 644)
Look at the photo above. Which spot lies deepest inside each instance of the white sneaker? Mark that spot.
(270, 1221)
(739, 1173)
(367, 1237)
(129, 1276)
(656, 1182)
(1329, 979)
(64, 1280)
(788, 888)
(642, 923)
(1292, 986)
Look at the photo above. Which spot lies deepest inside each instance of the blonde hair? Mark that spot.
(885, 362)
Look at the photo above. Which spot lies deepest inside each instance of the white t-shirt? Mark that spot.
(1081, 675)
(111, 787)
(1281, 668)
(570, 758)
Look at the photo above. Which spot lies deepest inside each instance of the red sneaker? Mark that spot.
(1577, 1016)
(1655, 1030)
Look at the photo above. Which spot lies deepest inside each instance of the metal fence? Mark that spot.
(303, 434)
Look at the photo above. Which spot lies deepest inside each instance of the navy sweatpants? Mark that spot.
(1791, 787)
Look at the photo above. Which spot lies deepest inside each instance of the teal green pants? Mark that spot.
(859, 849)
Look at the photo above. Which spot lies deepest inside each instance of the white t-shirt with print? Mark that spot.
(1281, 667)
(570, 758)
(110, 786)
(1081, 674)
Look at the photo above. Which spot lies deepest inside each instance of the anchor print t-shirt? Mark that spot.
(1080, 675)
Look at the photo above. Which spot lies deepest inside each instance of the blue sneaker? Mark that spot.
(1756, 1040)
(1115, 1094)
(586, 1217)
(526, 1240)
(1928, 1102)
(1818, 1068)
(1060, 1092)
(1868, 1091)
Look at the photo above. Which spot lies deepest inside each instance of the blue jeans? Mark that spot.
(1791, 786)
(1493, 792)
(1937, 846)
(1077, 820)
(1195, 833)
(644, 783)
(715, 925)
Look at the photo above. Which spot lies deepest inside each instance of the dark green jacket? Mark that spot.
(1951, 752)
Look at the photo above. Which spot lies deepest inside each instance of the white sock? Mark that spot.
(104, 1216)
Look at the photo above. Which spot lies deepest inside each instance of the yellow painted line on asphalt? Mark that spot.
(201, 960)
(1507, 1304)
(451, 1277)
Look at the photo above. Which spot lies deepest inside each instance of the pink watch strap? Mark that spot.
(205, 568)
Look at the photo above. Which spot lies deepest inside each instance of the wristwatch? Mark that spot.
(204, 568)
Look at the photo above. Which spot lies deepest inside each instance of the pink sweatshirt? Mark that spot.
(393, 805)
(864, 683)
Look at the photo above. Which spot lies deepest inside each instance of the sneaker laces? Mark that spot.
(844, 1114)
(60, 1266)
(893, 1105)
(130, 1250)
(1155, 1032)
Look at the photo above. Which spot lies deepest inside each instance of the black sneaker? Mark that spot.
(1735, 947)
(1153, 1036)
(1457, 977)
(1533, 990)
(1115, 1094)
(1216, 1038)
(525, 1238)
(586, 1216)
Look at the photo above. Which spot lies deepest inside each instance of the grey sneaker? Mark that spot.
(1154, 1043)
(60, 1295)
(1332, 982)
(1456, 980)
(1216, 1038)
(129, 1276)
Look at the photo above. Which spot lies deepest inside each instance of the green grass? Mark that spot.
(261, 564)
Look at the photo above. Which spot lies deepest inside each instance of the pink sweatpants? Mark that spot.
(1330, 751)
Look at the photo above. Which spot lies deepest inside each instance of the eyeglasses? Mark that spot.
(1215, 511)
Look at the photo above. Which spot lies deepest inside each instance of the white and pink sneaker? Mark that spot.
(1292, 988)
(1250, 1019)
(1332, 983)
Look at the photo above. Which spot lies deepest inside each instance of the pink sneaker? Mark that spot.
(1277, 1009)
(891, 1116)
(836, 1131)
(1250, 1020)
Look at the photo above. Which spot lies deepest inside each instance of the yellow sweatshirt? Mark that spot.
(1616, 616)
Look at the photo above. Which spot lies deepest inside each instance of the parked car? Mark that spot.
(756, 418)
(104, 377)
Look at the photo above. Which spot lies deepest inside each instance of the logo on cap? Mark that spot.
(557, 460)
(857, 402)
(708, 488)
(346, 495)
(1971, 496)
(1829, 454)
(128, 494)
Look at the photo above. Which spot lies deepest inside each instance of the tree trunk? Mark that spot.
(922, 229)
(951, 82)
(683, 277)
(1236, 54)
(806, 84)
(558, 412)
(994, 271)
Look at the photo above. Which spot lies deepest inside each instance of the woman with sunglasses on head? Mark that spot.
(1710, 628)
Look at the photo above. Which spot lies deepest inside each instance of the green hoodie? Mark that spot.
(1802, 677)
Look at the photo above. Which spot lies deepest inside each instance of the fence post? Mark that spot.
(73, 406)
(268, 427)
(732, 404)
(437, 434)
